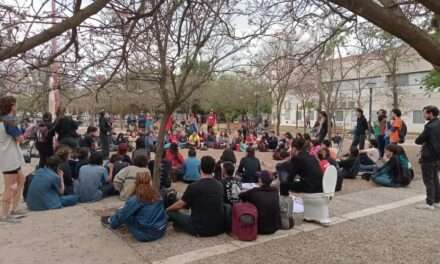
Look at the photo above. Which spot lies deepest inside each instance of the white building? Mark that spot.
(372, 74)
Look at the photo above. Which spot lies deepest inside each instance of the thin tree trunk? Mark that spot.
(278, 122)
(160, 149)
(304, 118)
(395, 95)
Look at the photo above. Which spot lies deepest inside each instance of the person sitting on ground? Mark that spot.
(113, 167)
(349, 165)
(89, 139)
(266, 200)
(47, 188)
(191, 167)
(124, 181)
(223, 139)
(251, 139)
(83, 159)
(231, 184)
(205, 199)
(308, 142)
(323, 156)
(143, 213)
(249, 166)
(302, 173)
(272, 141)
(315, 147)
(194, 140)
(369, 157)
(211, 139)
(177, 161)
(123, 150)
(397, 170)
(92, 177)
(333, 152)
(227, 156)
(165, 172)
(64, 153)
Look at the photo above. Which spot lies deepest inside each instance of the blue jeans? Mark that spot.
(69, 200)
(368, 168)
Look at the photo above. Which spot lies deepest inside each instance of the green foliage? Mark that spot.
(432, 81)
(233, 95)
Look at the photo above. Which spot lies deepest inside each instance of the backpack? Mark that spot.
(244, 222)
(407, 172)
(402, 132)
(286, 209)
(41, 133)
(169, 197)
(27, 183)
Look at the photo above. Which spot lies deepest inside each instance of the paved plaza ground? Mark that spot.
(370, 225)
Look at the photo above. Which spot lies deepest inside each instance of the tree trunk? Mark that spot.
(278, 124)
(160, 149)
(395, 90)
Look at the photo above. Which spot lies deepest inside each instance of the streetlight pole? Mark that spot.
(370, 110)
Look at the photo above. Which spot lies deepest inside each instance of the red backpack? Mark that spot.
(244, 222)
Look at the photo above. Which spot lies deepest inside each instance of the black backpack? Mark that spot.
(402, 132)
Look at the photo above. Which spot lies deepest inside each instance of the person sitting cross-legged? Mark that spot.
(205, 199)
(266, 200)
(92, 178)
(143, 213)
(302, 173)
(47, 187)
(191, 167)
(249, 166)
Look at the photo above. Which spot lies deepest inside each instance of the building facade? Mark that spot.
(365, 82)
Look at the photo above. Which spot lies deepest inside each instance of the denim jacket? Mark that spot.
(145, 221)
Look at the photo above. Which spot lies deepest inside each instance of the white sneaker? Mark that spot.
(437, 205)
(425, 207)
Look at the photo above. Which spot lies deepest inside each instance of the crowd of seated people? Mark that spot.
(213, 186)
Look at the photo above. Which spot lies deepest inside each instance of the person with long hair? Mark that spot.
(143, 213)
(12, 159)
(177, 161)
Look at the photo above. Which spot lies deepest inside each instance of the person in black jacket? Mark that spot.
(266, 200)
(360, 131)
(430, 156)
(302, 173)
(105, 132)
(322, 126)
(249, 166)
(66, 128)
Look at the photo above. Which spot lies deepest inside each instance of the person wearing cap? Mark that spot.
(249, 166)
(266, 200)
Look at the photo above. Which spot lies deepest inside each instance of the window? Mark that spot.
(401, 79)
(418, 117)
(299, 115)
(287, 115)
(354, 116)
(339, 116)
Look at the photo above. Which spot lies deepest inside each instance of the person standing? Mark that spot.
(360, 130)
(396, 126)
(44, 133)
(11, 161)
(380, 128)
(430, 156)
(211, 120)
(66, 128)
(322, 126)
(105, 130)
